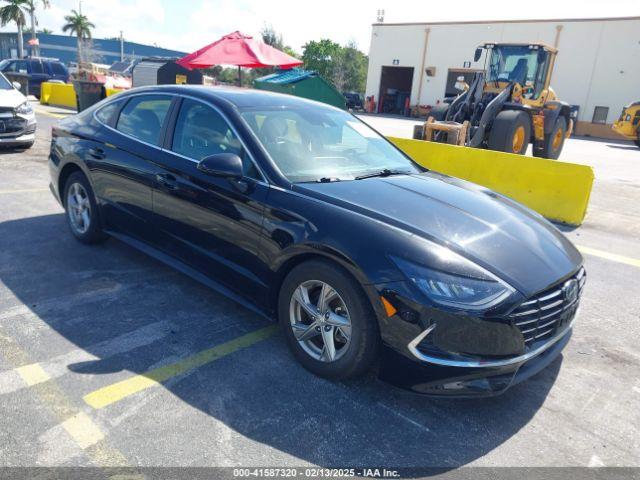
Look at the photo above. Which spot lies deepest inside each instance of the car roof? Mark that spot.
(241, 98)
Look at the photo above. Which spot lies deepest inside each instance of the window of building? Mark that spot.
(600, 115)
(143, 117)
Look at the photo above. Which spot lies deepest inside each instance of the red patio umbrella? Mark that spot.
(241, 50)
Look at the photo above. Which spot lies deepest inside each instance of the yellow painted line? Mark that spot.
(114, 393)
(33, 374)
(76, 423)
(24, 190)
(614, 257)
(83, 430)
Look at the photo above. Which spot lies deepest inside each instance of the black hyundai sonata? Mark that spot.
(302, 212)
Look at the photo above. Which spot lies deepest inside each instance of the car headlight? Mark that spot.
(479, 290)
(24, 109)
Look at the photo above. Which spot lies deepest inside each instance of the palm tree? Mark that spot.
(80, 25)
(14, 11)
(31, 6)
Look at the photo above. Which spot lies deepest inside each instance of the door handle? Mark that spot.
(97, 153)
(167, 180)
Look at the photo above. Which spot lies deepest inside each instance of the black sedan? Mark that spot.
(302, 212)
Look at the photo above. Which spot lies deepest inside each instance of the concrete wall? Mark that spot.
(598, 61)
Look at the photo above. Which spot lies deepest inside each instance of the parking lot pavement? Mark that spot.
(109, 358)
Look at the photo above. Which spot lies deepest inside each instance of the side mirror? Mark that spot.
(477, 55)
(16, 85)
(226, 165)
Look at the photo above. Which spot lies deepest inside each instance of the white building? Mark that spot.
(597, 68)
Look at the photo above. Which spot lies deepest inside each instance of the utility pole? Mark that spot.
(121, 47)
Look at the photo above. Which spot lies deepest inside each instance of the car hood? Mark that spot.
(11, 98)
(497, 233)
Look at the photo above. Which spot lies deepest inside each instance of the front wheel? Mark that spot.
(637, 140)
(328, 321)
(510, 132)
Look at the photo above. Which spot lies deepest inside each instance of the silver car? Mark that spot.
(17, 118)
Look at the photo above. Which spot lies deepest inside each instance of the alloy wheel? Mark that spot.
(79, 208)
(320, 320)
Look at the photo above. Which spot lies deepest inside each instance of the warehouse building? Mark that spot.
(64, 48)
(597, 69)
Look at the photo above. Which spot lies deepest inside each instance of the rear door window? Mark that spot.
(37, 66)
(143, 116)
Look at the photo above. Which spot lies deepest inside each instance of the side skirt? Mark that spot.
(187, 270)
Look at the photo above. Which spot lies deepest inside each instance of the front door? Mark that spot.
(211, 223)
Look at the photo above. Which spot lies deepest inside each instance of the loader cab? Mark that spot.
(529, 66)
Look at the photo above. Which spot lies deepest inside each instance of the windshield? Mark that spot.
(310, 143)
(4, 83)
(513, 63)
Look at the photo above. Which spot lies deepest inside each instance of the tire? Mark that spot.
(510, 132)
(78, 197)
(356, 346)
(637, 140)
(553, 142)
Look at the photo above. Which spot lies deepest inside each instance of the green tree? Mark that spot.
(45, 31)
(79, 25)
(346, 67)
(353, 67)
(14, 11)
(322, 57)
(271, 37)
(31, 7)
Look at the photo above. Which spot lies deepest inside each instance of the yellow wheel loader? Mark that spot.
(507, 106)
(628, 125)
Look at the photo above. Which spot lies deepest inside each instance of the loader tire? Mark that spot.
(511, 132)
(554, 141)
(637, 140)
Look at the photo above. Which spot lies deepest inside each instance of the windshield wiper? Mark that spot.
(382, 173)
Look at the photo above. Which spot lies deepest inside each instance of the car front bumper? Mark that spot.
(435, 352)
(17, 130)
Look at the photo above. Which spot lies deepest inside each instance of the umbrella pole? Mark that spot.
(239, 76)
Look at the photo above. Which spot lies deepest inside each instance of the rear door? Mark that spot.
(122, 161)
(212, 223)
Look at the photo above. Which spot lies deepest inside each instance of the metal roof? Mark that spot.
(285, 77)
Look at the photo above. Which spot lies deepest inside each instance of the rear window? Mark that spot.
(58, 69)
(143, 116)
(107, 114)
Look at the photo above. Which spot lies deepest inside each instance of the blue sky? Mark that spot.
(190, 24)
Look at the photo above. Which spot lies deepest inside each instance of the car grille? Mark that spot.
(550, 311)
(11, 126)
(7, 110)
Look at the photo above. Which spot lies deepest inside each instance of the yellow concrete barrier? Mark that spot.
(557, 190)
(58, 94)
(112, 91)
